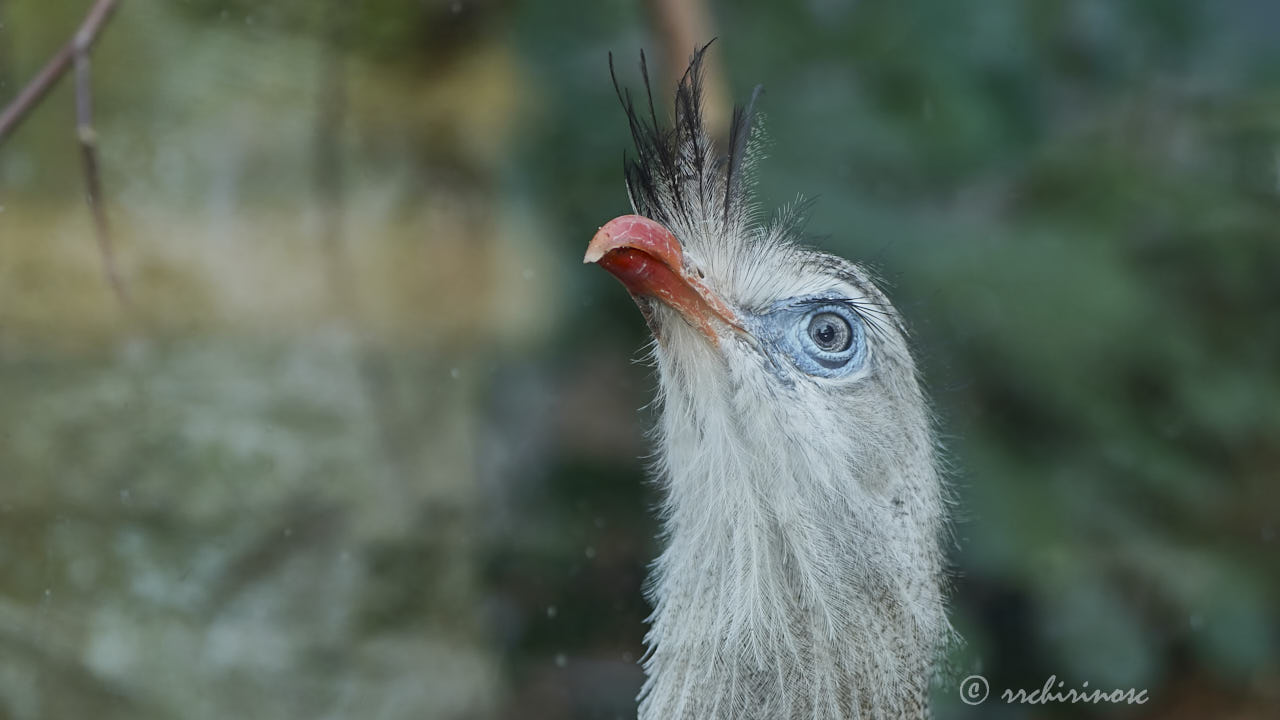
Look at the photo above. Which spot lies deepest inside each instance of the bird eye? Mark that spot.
(824, 337)
(830, 332)
(827, 339)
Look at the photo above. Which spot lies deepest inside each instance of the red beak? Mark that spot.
(649, 261)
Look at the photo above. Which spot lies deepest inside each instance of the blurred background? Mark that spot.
(365, 438)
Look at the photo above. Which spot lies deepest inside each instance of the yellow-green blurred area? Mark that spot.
(366, 439)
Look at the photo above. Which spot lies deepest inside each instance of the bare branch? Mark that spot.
(89, 154)
(76, 52)
(17, 110)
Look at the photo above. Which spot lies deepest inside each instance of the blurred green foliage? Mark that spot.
(1077, 207)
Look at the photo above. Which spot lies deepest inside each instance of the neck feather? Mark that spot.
(796, 582)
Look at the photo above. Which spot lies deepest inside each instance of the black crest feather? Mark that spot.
(677, 176)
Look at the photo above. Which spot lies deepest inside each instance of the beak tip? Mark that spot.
(601, 243)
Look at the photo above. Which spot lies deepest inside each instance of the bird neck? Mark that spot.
(794, 583)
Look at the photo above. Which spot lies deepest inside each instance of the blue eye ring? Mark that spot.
(787, 333)
(827, 340)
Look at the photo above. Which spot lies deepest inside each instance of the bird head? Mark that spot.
(746, 318)
(801, 500)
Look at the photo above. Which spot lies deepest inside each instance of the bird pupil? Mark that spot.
(829, 332)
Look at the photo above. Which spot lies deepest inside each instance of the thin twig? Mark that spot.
(77, 52)
(89, 154)
(44, 80)
(17, 110)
